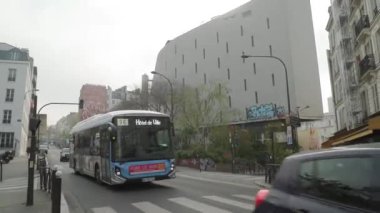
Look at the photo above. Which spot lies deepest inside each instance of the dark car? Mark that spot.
(65, 154)
(334, 180)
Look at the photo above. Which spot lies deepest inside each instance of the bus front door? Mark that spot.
(105, 158)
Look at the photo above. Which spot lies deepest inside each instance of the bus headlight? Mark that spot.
(172, 164)
(117, 171)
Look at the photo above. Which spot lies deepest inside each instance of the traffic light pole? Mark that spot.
(33, 126)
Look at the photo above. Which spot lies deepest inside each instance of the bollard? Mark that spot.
(1, 170)
(55, 168)
(56, 193)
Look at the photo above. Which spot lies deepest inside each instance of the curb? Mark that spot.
(263, 185)
(64, 206)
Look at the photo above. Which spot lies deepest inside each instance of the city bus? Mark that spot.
(124, 146)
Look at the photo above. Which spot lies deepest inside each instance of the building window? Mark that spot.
(218, 62)
(175, 72)
(228, 74)
(6, 139)
(270, 50)
(252, 41)
(241, 30)
(204, 78)
(204, 53)
(10, 95)
(245, 84)
(268, 23)
(217, 37)
(229, 101)
(227, 50)
(254, 68)
(195, 43)
(273, 81)
(196, 67)
(183, 59)
(7, 116)
(12, 75)
(256, 97)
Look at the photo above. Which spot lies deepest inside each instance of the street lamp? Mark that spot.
(171, 91)
(287, 86)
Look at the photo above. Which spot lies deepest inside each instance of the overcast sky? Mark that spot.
(113, 42)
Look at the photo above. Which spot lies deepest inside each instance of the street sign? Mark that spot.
(289, 135)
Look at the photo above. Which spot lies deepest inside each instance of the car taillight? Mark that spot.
(260, 197)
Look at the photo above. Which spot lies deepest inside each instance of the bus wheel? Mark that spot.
(97, 175)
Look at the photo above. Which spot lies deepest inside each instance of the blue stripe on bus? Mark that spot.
(124, 167)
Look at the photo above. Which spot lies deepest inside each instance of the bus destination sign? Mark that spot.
(148, 122)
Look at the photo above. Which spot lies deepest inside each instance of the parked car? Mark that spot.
(65, 154)
(335, 180)
(43, 148)
(6, 155)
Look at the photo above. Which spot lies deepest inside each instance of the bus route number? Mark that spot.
(122, 122)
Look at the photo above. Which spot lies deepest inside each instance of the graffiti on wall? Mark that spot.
(265, 112)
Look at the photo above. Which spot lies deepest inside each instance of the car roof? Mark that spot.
(335, 152)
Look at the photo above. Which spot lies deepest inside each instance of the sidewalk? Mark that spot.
(249, 180)
(13, 190)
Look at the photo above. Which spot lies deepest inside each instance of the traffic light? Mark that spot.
(295, 121)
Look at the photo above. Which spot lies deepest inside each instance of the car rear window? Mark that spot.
(352, 181)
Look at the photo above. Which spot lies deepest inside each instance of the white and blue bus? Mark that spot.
(124, 146)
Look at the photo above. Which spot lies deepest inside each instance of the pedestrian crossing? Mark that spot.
(203, 204)
(16, 184)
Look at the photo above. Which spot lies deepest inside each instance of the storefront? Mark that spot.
(367, 133)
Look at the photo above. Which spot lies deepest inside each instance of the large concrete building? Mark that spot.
(354, 57)
(211, 53)
(18, 79)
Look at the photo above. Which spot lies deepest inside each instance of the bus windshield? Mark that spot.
(143, 139)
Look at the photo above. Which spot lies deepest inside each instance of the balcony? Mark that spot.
(362, 28)
(366, 65)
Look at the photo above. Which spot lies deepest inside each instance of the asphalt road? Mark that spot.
(191, 191)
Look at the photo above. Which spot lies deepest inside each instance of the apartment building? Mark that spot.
(354, 59)
(18, 79)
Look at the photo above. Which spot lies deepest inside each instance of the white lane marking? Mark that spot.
(105, 209)
(246, 197)
(230, 202)
(64, 206)
(149, 207)
(217, 181)
(198, 206)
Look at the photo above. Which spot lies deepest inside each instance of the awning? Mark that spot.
(353, 136)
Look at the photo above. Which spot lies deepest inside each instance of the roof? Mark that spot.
(100, 119)
(335, 152)
(6, 47)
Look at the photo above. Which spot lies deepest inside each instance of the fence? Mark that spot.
(51, 182)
